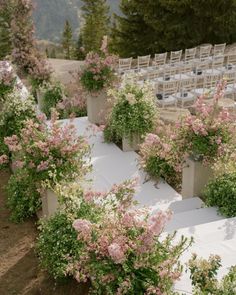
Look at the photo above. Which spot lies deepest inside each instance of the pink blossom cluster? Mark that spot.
(120, 241)
(113, 239)
(49, 148)
(163, 145)
(101, 65)
(210, 121)
(72, 105)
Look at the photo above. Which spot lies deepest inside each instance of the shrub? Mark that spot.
(133, 112)
(204, 277)
(56, 243)
(52, 95)
(23, 198)
(221, 192)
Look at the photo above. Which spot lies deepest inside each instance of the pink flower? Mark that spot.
(83, 226)
(158, 221)
(3, 159)
(42, 166)
(116, 253)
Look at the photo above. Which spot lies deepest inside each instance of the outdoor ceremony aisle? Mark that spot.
(112, 166)
(212, 232)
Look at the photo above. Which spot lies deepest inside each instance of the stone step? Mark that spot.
(181, 205)
(216, 231)
(192, 218)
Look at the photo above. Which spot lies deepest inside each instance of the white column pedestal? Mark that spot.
(50, 203)
(97, 106)
(195, 177)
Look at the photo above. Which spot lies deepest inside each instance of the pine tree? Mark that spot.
(67, 40)
(53, 53)
(47, 52)
(96, 23)
(148, 27)
(131, 35)
(5, 33)
(79, 53)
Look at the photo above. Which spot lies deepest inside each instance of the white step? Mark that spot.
(192, 218)
(217, 231)
(179, 206)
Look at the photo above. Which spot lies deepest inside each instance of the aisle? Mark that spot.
(112, 166)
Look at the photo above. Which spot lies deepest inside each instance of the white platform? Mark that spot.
(112, 166)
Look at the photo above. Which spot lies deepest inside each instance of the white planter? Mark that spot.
(195, 177)
(40, 95)
(13, 166)
(50, 203)
(97, 107)
(131, 145)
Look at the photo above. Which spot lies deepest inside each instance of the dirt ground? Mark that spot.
(20, 273)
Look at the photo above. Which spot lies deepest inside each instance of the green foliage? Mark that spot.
(221, 192)
(160, 168)
(13, 115)
(56, 244)
(204, 145)
(95, 13)
(204, 277)
(52, 94)
(67, 40)
(148, 27)
(133, 113)
(79, 51)
(90, 84)
(5, 90)
(23, 199)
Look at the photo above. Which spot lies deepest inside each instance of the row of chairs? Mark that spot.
(181, 70)
(187, 90)
(206, 52)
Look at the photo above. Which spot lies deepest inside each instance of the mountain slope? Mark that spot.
(50, 16)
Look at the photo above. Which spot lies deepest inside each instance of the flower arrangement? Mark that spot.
(116, 247)
(204, 277)
(207, 133)
(99, 71)
(50, 152)
(7, 80)
(12, 118)
(46, 155)
(52, 94)
(161, 155)
(134, 112)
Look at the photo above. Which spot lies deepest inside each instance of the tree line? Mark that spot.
(146, 27)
